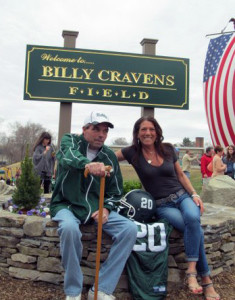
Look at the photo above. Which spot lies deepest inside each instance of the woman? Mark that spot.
(44, 160)
(218, 166)
(161, 175)
(229, 160)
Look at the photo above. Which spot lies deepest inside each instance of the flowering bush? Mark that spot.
(41, 210)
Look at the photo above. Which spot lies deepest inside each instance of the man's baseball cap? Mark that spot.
(97, 118)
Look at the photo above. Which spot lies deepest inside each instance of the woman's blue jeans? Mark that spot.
(184, 215)
(123, 233)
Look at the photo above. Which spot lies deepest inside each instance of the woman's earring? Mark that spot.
(138, 141)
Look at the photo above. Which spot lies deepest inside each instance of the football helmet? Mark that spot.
(140, 206)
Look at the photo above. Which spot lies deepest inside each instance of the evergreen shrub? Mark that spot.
(27, 193)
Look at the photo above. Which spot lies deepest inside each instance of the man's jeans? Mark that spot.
(123, 233)
(184, 215)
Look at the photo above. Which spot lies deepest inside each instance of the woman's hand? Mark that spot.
(188, 186)
(198, 201)
(46, 149)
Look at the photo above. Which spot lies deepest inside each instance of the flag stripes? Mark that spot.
(219, 89)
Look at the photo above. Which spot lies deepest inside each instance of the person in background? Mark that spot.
(229, 160)
(218, 166)
(75, 201)
(44, 160)
(18, 173)
(205, 160)
(161, 175)
(186, 162)
(13, 181)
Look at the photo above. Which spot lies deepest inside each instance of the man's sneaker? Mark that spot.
(100, 296)
(73, 298)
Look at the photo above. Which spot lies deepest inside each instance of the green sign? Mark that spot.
(88, 76)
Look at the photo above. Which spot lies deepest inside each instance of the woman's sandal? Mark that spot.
(209, 296)
(195, 288)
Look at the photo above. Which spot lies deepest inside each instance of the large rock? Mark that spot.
(6, 189)
(220, 190)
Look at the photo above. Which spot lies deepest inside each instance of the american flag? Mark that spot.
(219, 89)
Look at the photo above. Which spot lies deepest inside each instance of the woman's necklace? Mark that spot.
(149, 155)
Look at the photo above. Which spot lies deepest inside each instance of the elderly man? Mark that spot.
(75, 201)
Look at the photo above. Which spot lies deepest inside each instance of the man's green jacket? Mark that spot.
(74, 191)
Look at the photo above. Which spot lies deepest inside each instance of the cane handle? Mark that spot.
(107, 169)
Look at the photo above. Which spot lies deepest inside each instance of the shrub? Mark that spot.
(130, 185)
(27, 193)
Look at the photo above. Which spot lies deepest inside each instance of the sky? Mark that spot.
(179, 26)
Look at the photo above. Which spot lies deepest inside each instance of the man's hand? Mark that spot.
(105, 218)
(97, 169)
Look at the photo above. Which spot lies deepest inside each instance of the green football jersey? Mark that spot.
(147, 266)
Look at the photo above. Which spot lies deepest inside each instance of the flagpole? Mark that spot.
(220, 33)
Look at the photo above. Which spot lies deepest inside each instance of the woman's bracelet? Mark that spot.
(195, 195)
(193, 191)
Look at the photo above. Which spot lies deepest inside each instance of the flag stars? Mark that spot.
(215, 50)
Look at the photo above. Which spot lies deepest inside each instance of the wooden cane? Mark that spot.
(99, 234)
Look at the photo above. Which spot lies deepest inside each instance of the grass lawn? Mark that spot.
(196, 180)
(129, 173)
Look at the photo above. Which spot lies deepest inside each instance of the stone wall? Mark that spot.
(29, 248)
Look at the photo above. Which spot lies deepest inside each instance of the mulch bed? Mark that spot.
(17, 289)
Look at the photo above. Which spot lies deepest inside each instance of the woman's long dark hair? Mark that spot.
(160, 147)
(44, 135)
(230, 157)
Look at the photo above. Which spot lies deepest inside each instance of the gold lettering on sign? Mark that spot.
(47, 71)
(73, 90)
(107, 93)
(160, 79)
(90, 92)
(148, 79)
(87, 73)
(81, 60)
(100, 75)
(65, 72)
(49, 57)
(136, 77)
(170, 80)
(115, 76)
(124, 94)
(57, 58)
(126, 78)
(143, 95)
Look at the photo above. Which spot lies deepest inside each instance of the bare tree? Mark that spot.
(3, 141)
(15, 144)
